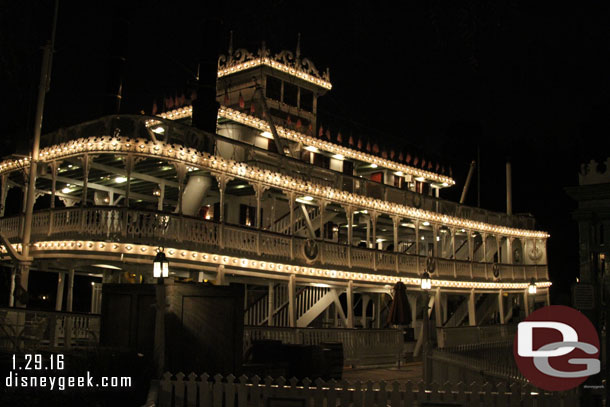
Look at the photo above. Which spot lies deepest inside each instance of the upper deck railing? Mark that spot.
(182, 232)
(176, 133)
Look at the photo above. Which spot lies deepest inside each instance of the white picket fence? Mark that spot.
(221, 391)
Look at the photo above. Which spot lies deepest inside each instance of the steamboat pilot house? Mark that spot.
(318, 228)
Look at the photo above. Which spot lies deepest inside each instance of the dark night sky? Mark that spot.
(522, 80)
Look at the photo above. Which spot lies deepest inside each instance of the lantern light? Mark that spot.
(531, 289)
(160, 265)
(426, 283)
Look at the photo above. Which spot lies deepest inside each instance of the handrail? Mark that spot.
(146, 226)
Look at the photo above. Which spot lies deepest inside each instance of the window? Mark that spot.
(290, 94)
(306, 102)
(274, 88)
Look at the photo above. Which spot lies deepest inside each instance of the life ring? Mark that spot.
(430, 264)
(495, 270)
(311, 250)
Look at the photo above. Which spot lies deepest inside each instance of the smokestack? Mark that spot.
(509, 192)
(205, 106)
(116, 63)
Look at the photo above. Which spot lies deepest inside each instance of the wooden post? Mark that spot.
(501, 306)
(3, 193)
(438, 315)
(350, 304)
(60, 291)
(291, 301)
(378, 310)
(85, 161)
(365, 303)
(271, 302)
(70, 290)
(291, 207)
(472, 312)
(161, 197)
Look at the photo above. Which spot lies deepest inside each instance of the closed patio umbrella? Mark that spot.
(400, 311)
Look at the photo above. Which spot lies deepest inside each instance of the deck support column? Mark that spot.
(271, 299)
(349, 213)
(472, 311)
(323, 204)
(291, 207)
(501, 306)
(85, 163)
(70, 290)
(438, 316)
(222, 180)
(365, 303)
(59, 298)
(350, 304)
(11, 296)
(161, 197)
(3, 193)
(291, 301)
(416, 223)
(378, 310)
(470, 250)
(453, 252)
(526, 302)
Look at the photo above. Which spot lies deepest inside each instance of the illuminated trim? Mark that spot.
(194, 158)
(253, 63)
(246, 263)
(255, 122)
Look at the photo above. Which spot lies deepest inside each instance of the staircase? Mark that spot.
(487, 307)
(461, 313)
(309, 303)
(282, 225)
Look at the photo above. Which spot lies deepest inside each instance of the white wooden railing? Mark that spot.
(205, 391)
(461, 338)
(123, 224)
(360, 346)
(22, 329)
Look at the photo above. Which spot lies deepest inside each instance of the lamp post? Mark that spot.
(426, 285)
(160, 271)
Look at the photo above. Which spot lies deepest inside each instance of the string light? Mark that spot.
(197, 159)
(240, 262)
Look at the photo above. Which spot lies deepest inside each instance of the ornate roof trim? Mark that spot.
(285, 61)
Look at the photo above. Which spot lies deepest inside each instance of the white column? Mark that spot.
(161, 197)
(365, 303)
(3, 193)
(501, 306)
(60, 291)
(11, 294)
(472, 316)
(70, 290)
(291, 301)
(270, 304)
(438, 315)
(220, 275)
(350, 304)
(396, 224)
(378, 310)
